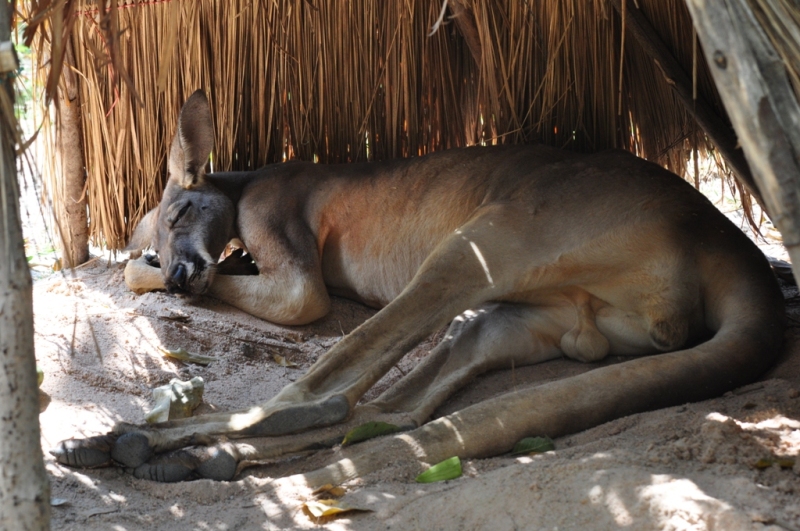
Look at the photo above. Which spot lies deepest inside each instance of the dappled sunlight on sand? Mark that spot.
(681, 504)
(98, 347)
(689, 467)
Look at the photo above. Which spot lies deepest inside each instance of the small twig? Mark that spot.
(87, 263)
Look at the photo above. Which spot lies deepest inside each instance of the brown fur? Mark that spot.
(531, 252)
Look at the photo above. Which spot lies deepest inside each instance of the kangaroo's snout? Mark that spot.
(176, 280)
(188, 276)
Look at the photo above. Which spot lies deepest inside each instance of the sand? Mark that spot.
(687, 467)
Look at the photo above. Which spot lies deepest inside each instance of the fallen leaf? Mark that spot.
(533, 445)
(58, 502)
(337, 492)
(784, 462)
(182, 355)
(330, 490)
(320, 508)
(368, 431)
(283, 362)
(447, 469)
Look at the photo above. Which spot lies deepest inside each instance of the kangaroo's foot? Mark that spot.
(137, 450)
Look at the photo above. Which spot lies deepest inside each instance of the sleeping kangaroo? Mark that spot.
(530, 253)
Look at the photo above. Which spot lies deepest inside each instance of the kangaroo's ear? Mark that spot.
(193, 142)
(144, 233)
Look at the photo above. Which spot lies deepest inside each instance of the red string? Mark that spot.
(124, 6)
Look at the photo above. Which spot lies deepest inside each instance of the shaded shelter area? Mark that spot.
(335, 82)
(710, 465)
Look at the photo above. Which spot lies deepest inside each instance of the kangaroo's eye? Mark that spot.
(180, 213)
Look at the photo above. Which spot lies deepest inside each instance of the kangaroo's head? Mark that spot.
(194, 221)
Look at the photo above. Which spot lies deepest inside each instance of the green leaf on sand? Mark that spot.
(368, 431)
(447, 469)
(533, 445)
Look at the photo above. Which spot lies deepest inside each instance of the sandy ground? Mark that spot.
(687, 467)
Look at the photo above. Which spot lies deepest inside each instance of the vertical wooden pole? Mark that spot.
(24, 491)
(72, 230)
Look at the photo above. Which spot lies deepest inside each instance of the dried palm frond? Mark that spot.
(335, 81)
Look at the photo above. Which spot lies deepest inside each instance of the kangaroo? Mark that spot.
(530, 253)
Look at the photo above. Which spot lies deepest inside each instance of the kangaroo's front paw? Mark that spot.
(141, 277)
(237, 263)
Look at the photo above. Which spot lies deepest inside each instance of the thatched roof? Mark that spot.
(339, 81)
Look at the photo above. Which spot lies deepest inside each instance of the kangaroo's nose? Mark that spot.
(179, 276)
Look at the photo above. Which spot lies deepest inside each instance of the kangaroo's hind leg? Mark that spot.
(493, 336)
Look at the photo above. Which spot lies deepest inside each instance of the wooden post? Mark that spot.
(72, 230)
(24, 491)
(753, 84)
(714, 125)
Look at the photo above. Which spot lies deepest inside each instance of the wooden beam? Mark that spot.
(753, 84)
(715, 127)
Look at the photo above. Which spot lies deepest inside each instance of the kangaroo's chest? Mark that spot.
(373, 261)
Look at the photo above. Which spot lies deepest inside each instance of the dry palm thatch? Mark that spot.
(338, 81)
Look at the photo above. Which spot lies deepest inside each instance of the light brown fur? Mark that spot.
(531, 252)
